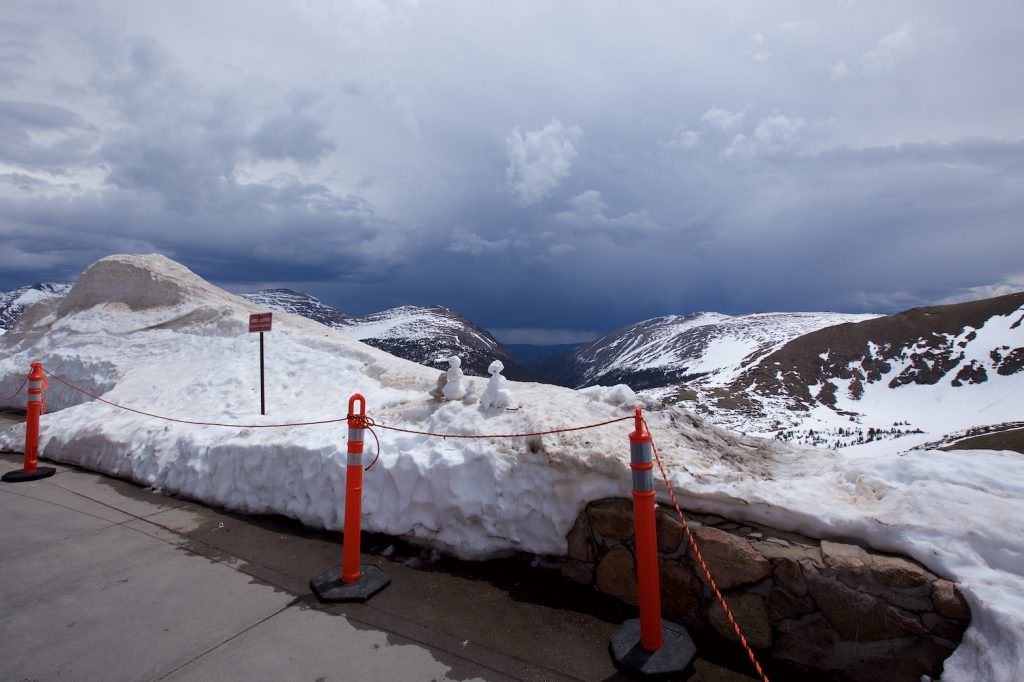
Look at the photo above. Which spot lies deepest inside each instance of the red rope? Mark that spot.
(367, 421)
(370, 424)
(187, 421)
(15, 394)
(707, 573)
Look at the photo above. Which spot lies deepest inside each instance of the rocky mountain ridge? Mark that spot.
(707, 347)
(13, 303)
(922, 373)
(926, 343)
(428, 335)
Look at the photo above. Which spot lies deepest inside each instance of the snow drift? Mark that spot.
(146, 332)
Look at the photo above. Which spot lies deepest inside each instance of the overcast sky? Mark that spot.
(565, 168)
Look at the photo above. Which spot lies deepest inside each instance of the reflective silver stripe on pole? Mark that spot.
(355, 459)
(640, 453)
(355, 434)
(35, 397)
(643, 479)
(35, 384)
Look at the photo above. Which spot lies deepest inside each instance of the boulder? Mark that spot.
(782, 605)
(616, 574)
(750, 614)
(790, 577)
(858, 616)
(949, 602)
(848, 560)
(893, 571)
(732, 560)
(612, 518)
(670, 531)
(943, 627)
(806, 641)
(893, 660)
(581, 544)
(680, 593)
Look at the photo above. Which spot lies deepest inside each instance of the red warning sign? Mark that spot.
(260, 322)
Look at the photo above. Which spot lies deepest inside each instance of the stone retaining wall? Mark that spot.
(858, 614)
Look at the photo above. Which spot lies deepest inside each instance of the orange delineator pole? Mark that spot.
(352, 582)
(31, 471)
(353, 490)
(36, 386)
(646, 536)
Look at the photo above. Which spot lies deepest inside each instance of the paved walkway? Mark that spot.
(104, 580)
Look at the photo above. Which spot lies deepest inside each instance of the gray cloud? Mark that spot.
(743, 158)
(34, 115)
(1010, 285)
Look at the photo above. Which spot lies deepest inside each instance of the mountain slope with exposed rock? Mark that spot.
(922, 373)
(13, 303)
(428, 335)
(712, 348)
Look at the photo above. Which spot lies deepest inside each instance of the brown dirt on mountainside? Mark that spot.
(801, 364)
(1003, 440)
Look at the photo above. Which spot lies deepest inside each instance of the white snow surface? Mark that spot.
(144, 331)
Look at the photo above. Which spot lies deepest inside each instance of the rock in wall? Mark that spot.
(830, 607)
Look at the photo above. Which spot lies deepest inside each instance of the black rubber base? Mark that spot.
(673, 659)
(328, 586)
(22, 475)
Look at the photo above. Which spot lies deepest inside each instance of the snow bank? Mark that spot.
(172, 344)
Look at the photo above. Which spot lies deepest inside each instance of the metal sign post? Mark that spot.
(260, 322)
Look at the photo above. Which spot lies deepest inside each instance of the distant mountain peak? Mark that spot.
(13, 303)
(428, 335)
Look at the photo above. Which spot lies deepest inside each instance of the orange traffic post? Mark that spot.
(350, 548)
(648, 646)
(352, 581)
(36, 406)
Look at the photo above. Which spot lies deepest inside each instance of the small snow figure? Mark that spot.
(496, 394)
(454, 389)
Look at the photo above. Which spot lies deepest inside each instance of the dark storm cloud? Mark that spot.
(21, 116)
(291, 137)
(804, 156)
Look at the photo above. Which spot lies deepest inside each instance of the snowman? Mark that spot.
(496, 395)
(454, 388)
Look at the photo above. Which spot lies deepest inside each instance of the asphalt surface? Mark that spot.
(106, 580)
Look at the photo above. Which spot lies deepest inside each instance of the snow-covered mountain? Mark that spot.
(13, 303)
(428, 335)
(828, 379)
(917, 375)
(710, 347)
(299, 303)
